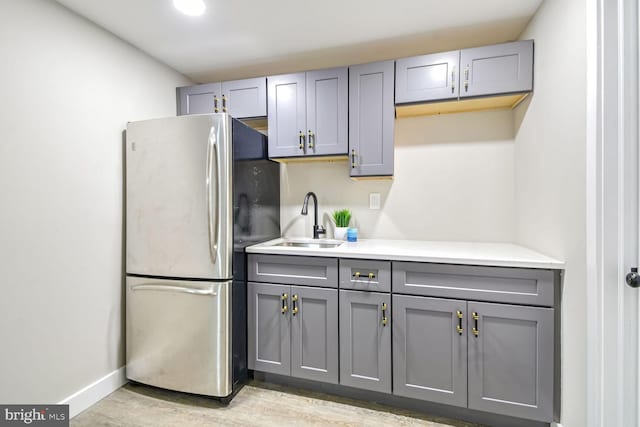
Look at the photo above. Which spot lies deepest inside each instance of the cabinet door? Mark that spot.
(365, 340)
(511, 360)
(199, 99)
(427, 77)
(430, 349)
(245, 98)
(496, 69)
(371, 119)
(269, 329)
(314, 333)
(327, 111)
(287, 115)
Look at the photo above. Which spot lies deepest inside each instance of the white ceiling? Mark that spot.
(241, 38)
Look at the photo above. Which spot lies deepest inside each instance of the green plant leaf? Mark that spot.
(342, 217)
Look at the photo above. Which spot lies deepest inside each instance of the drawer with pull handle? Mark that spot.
(365, 275)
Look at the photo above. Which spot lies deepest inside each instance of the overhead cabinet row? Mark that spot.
(350, 112)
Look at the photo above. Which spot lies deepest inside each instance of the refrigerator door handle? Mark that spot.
(166, 288)
(212, 148)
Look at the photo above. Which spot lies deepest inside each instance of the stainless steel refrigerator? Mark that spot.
(199, 189)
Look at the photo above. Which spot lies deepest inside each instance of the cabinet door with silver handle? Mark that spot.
(365, 340)
(269, 327)
(314, 334)
(327, 111)
(371, 119)
(510, 360)
(245, 98)
(430, 349)
(287, 127)
(497, 69)
(427, 77)
(199, 99)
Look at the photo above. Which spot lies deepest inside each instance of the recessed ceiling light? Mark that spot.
(190, 7)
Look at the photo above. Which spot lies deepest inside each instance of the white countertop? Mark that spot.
(492, 254)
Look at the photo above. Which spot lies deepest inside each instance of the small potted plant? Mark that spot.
(341, 217)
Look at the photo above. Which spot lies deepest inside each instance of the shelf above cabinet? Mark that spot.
(506, 102)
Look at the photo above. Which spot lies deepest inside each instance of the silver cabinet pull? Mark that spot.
(215, 104)
(301, 140)
(453, 79)
(309, 140)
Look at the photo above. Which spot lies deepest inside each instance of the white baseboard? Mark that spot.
(94, 392)
(556, 425)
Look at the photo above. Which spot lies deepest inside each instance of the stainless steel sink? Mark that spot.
(310, 243)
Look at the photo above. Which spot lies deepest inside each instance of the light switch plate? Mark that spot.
(374, 200)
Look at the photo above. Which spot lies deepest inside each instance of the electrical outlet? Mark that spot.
(374, 200)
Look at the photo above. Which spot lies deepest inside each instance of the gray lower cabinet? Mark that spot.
(496, 69)
(430, 349)
(240, 98)
(511, 360)
(371, 119)
(365, 340)
(308, 113)
(269, 328)
(293, 330)
(314, 334)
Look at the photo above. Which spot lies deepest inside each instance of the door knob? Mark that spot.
(633, 278)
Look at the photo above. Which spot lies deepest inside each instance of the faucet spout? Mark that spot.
(317, 229)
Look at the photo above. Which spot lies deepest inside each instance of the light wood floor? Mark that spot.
(257, 404)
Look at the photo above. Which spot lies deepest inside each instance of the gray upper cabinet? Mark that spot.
(269, 336)
(314, 334)
(365, 340)
(371, 119)
(240, 98)
(430, 349)
(245, 98)
(287, 115)
(308, 113)
(327, 112)
(511, 360)
(199, 99)
(427, 77)
(497, 69)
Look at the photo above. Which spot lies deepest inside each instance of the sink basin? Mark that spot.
(310, 243)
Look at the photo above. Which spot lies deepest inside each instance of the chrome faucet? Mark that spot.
(317, 229)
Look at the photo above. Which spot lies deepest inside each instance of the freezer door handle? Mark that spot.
(212, 148)
(166, 288)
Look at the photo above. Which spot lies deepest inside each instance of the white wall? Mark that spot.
(68, 90)
(454, 180)
(550, 178)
